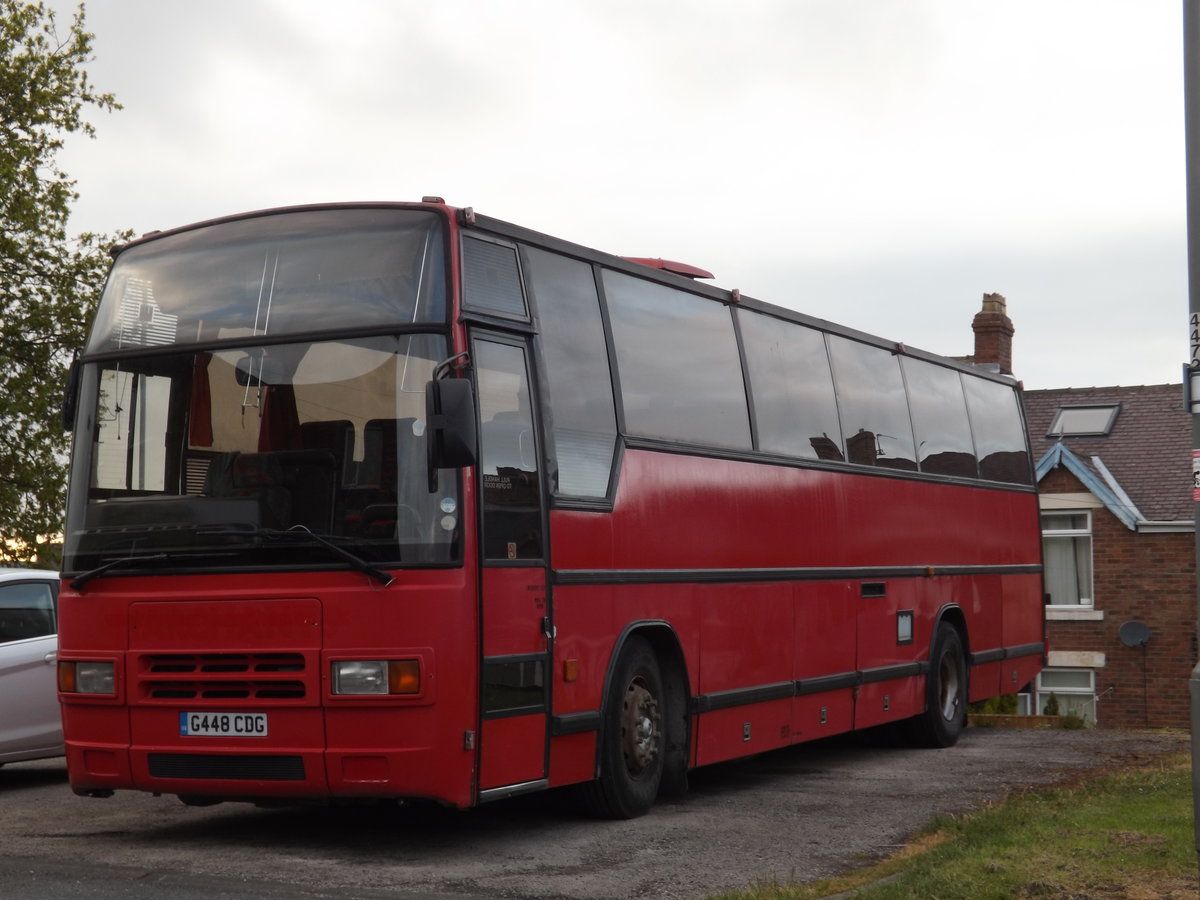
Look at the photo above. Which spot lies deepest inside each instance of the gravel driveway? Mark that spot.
(793, 815)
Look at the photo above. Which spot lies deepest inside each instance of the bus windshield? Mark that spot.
(248, 456)
(293, 272)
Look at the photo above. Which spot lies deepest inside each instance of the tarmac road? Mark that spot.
(792, 815)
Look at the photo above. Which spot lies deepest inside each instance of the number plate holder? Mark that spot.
(222, 724)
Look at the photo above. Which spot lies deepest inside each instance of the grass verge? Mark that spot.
(1128, 835)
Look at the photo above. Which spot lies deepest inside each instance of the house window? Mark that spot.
(1067, 554)
(1079, 421)
(1067, 692)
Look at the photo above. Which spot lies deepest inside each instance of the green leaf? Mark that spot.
(49, 282)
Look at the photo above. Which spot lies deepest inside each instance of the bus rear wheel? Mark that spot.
(945, 713)
(632, 737)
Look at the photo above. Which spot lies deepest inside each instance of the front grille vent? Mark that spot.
(223, 676)
(225, 690)
(224, 662)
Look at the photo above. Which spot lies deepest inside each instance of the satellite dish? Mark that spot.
(1134, 634)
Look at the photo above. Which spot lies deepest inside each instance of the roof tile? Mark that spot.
(1148, 450)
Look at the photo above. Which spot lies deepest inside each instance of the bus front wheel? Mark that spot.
(945, 713)
(632, 737)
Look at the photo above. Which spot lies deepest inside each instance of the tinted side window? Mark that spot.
(491, 279)
(792, 388)
(873, 406)
(681, 377)
(999, 431)
(510, 685)
(145, 401)
(512, 518)
(26, 611)
(583, 425)
(939, 417)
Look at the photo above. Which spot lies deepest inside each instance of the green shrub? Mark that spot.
(1004, 705)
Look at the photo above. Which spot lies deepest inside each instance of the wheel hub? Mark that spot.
(950, 691)
(639, 727)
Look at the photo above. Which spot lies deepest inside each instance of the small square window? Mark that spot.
(1075, 421)
(1067, 692)
(492, 278)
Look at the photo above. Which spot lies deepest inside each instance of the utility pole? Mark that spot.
(1191, 108)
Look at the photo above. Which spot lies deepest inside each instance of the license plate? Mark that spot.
(222, 724)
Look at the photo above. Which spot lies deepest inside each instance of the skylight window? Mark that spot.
(1076, 421)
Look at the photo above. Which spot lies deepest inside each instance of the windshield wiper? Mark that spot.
(356, 561)
(296, 531)
(79, 581)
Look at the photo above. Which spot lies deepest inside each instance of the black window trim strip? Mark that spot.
(326, 335)
(508, 234)
(513, 712)
(575, 723)
(624, 443)
(1017, 651)
(522, 234)
(590, 720)
(820, 684)
(659, 445)
(717, 700)
(567, 577)
(986, 656)
(805, 687)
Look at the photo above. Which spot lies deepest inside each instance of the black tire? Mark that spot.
(632, 737)
(676, 733)
(198, 800)
(945, 713)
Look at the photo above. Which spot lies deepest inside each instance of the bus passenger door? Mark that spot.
(516, 614)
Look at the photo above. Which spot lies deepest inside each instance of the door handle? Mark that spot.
(548, 628)
(51, 658)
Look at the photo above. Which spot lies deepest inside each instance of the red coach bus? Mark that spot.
(399, 501)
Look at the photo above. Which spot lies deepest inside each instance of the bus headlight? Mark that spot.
(377, 676)
(86, 678)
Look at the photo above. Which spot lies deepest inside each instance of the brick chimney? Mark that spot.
(993, 334)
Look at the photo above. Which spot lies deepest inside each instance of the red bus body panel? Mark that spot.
(513, 748)
(214, 643)
(699, 516)
(799, 599)
(669, 506)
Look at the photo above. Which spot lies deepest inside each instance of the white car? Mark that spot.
(30, 721)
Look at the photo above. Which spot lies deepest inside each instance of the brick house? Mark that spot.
(1113, 467)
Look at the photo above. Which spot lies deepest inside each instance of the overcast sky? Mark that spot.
(878, 163)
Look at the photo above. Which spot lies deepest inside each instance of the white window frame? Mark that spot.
(1072, 534)
(1081, 420)
(1081, 701)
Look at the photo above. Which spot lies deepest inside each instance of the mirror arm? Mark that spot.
(433, 414)
(458, 361)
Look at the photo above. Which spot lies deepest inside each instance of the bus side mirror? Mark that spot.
(70, 396)
(449, 425)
